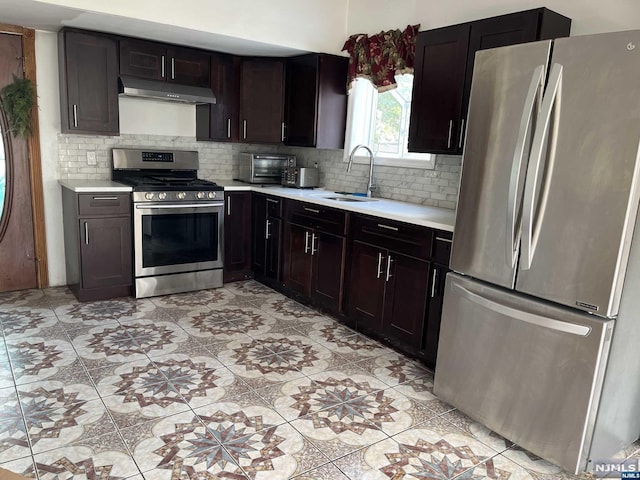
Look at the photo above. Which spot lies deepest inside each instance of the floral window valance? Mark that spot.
(380, 57)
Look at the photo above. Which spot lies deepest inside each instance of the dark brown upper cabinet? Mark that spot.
(157, 61)
(315, 101)
(444, 69)
(261, 100)
(88, 82)
(219, 121)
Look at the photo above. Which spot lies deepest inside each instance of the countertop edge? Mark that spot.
(351, 207)
(95, 186)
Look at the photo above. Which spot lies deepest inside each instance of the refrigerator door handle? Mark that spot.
(532, 318)
(531, 100)
(530, 232)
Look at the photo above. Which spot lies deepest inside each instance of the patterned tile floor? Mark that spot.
(234, 383)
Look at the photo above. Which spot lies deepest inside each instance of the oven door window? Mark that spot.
(179, 238)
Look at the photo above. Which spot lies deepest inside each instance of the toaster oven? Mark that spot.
(263, 167)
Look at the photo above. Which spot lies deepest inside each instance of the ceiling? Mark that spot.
(45, 16)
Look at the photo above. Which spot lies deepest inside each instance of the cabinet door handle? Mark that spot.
(380, 258)
(272, 200)
(388, 227)
(433, 283)
(173, 68)
(389, 260)
(229, 206)
(266, 231)
(104, 198)
(461, 134)
(75, 115)
(306, 242)
(162, 59)
(244, 129)
(86, 233)
(229, 127)
(312, 210)
(313, 243)
(282, 131)
(450, 131)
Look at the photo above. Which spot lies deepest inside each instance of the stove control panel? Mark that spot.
(178, 197)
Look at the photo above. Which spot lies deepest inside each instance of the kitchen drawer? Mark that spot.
(104, 204)
(403, 238)
(274, 206)
(317, 217)
(442, 247)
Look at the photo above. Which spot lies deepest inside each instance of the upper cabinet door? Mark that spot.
(579, 214)
(188, 67)
(436, 105)
(88, 83)
(219, 121)
(139, 58)
(301, 101)
(261, 100)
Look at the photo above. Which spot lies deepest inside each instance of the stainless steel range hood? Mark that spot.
(157, 90)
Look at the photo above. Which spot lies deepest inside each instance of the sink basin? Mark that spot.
(351, 199)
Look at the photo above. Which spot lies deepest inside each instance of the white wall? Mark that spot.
(589, 16)
(49, 115)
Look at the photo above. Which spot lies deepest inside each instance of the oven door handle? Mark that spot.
(187, 205)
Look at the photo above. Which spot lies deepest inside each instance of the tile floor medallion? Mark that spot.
(233, 383)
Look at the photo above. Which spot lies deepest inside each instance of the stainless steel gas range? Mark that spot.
(177, 221)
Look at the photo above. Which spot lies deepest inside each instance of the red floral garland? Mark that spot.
(380, 57)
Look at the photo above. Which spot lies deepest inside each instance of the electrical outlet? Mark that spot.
(91, 158)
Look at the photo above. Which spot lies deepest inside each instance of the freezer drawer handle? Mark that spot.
(532, 318)
(531, 231)
(532, 98)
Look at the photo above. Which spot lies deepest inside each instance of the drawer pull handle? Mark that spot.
(105, 198)
(313, 210)
(272, 200)
(440, 239)
(388, 227)
(389, 260)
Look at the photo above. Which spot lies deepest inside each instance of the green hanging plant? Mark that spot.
(18, 99)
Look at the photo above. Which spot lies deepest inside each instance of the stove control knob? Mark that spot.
(148, 196)
(181, 195)
(162, 195)
(212, 195)
(200, 195)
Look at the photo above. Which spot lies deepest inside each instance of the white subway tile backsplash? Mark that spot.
(218, 162)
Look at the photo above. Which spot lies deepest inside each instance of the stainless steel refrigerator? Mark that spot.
(540, 334)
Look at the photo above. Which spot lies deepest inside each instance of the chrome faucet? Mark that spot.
(370, 187)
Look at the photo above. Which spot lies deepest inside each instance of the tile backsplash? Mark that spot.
(218, 162)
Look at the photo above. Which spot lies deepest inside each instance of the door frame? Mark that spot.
(33, 150)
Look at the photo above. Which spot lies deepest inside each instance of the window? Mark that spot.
(381, 121)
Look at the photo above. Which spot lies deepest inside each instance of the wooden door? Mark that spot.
(298, 259)
(219, 121)
(89, 84)
(261, 100)
(258, 233)
(439, 75)
(237, 236)
(434, 315)
(273, 248)
(328, 270)
(188, 67)
(406, 298)
(18, 268)
(366, 289)
(105, 251)
(139, 58)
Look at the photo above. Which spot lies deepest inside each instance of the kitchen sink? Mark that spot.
(351, 199)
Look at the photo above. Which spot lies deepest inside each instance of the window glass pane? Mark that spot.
(386, 137)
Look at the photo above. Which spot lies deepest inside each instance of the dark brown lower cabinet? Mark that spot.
(98, 244)
(366, 287)
(314, 266)
(273, 247)
(237, 236)
(266, 234)
(429, 350)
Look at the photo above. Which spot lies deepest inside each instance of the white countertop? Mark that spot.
(433, 217)
(94, 186)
